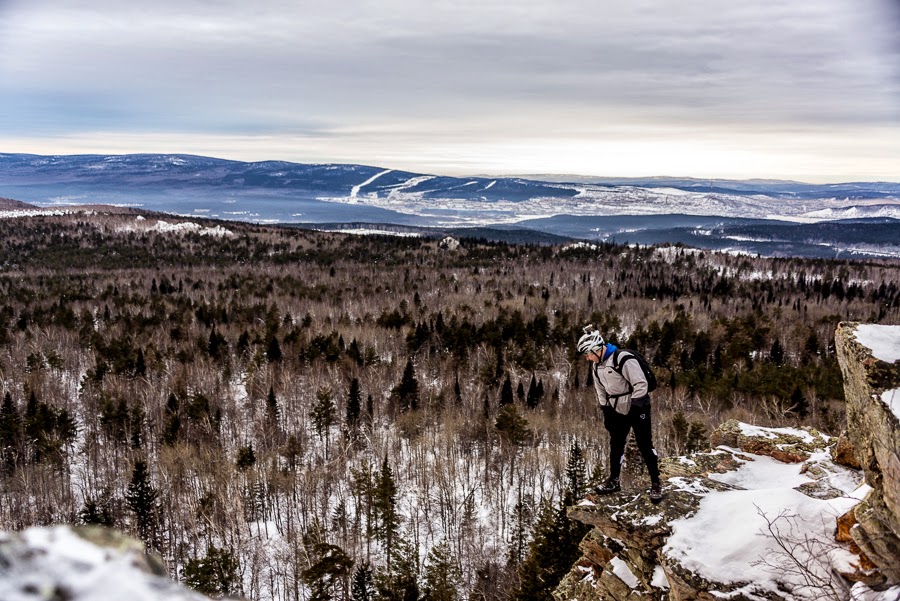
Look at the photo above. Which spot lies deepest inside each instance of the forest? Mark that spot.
(285, 414)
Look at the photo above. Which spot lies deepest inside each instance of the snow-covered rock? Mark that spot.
(751, 519)
(82, 564)
(449, 243)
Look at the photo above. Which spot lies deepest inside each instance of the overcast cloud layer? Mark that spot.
(802, 89)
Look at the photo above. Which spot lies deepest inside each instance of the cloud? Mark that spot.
(500, 71)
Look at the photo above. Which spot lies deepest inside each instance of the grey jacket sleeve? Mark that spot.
(634, 374)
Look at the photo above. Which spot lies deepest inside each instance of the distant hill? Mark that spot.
(695, 212)
(8, 204)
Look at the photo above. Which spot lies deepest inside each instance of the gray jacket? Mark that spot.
(620, 391)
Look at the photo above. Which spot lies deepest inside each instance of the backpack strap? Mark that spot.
(618, 366)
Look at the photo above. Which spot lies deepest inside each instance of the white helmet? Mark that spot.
(591, 341)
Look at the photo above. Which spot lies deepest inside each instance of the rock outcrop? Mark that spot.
(868, 357)
(770, 513)
(83, 563)
(731, 524)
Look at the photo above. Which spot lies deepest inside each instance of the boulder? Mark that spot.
(787, 445)
(843, 454)
(83, 563)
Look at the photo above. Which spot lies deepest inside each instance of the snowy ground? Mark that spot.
(758, 532)
(736, 524)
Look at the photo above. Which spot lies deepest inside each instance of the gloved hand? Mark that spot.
(641, 401)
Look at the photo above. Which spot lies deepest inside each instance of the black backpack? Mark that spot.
(645, 366)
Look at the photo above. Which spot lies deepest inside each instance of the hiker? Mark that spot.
(622, 391)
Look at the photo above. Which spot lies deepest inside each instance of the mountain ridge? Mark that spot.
(285, 192)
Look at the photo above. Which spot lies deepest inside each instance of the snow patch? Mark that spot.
(771, 433)
(621, 569)
(354, 192)
(56, 559)
(883, 341)
(176, 228)
(732, 537)
(651, 520)
(580, 246)
(891, 398)
(33, 213)
(659, 580)
(860, 592)
(373, 232)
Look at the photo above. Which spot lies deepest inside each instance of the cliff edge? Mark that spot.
(869, 356)
(769, 513)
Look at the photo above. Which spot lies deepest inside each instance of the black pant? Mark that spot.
(618, 426)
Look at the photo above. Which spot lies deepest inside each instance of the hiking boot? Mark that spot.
(656, 492)
(608, 487)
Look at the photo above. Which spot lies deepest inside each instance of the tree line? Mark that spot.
(289, 414)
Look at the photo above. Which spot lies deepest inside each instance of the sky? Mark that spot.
(788, 89)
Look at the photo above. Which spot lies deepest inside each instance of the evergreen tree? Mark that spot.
(500, 367)
(329, 566)
(324, 414)
(141, 497)
(292, 451)
(272, 411)
(370, 411)
(680, 428)
(246, 457)
(136, 426)
(214, 575)
(354, 406)
(399, 580)
(406, 393)
(443, 578)
(171, 430)
(243, 343)
(10, 433)
(506, 392)
(696, 438)
(384, 508)
(94, 512)
(363, 585)
(273, 350)
(576, 474)
(354, 353)
(512, 427)
(799, 404)
(140, 364)
(521, 520)
(776, 354)
(532, 398)
(553, 550)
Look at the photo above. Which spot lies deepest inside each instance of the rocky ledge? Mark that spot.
(770, 513)
(753, 519)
